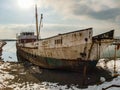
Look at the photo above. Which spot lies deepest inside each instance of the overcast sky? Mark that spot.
(59, 16)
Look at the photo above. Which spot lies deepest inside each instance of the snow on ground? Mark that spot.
(7, 78)
(115, 81)
(4, 75)
(110, 65)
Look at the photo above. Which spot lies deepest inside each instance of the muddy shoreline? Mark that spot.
(67, 77)
(27, 73)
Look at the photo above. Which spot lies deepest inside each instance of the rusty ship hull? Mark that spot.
(69, 51)
(53, 63)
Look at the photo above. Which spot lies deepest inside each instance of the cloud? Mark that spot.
(10, 30)
(62, 16)
(106, 14)
(96, 9)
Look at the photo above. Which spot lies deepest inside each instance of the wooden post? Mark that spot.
(115, 60)
(85, 64)
(84, 74)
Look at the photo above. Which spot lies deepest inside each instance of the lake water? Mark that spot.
(9, 52)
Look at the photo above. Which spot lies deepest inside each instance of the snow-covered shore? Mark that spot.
(12, 77)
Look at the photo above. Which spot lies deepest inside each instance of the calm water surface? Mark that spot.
(9, 52)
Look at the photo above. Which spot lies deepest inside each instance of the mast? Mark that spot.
(40, 25)
(36, 15)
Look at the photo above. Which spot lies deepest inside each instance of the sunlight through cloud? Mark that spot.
(25, 4)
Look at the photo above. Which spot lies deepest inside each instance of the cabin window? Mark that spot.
(89, 34)
(58, 41)
(80, 34)
(24, 41)
(45, 43)
(74, 35)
